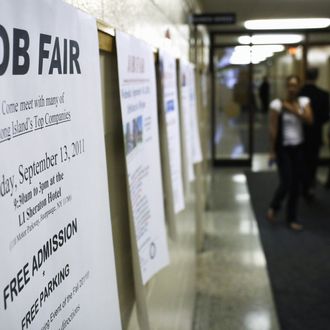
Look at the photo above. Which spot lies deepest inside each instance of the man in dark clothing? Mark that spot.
(264, 94)
(320, 103)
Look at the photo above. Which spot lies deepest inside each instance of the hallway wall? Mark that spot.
(146, 19)
(286, 64)
(170, 295)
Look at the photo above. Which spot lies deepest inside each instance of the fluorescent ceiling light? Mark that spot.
(287, 23)
(253, 54)
(239, 61)
(271, 39)
(267, 50)
(246, 55)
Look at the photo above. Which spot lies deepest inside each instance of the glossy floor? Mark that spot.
(233, 289)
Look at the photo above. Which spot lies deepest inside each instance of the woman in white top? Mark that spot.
(286, 132)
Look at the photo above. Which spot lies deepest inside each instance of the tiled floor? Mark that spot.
(233, 289)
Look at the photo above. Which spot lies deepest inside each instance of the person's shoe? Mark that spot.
(270, 215)
(295, 226)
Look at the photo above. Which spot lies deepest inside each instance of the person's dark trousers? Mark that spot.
(289, 162)
(311, 157)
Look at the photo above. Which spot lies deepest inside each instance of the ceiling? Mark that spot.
(254, 9)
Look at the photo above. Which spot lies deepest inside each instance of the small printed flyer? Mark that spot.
(167, 64)
(186, 113)
(193, 152)
(56, 248)
(196, 145)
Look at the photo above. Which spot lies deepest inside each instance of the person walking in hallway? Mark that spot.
(286, 132)
(264, 94)
(319, 99)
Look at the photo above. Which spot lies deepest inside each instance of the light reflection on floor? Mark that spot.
(258, 320)
(239, 178)
(228, 139)
(247, 227)
(241, 198)
(232, 135)
(233, 288)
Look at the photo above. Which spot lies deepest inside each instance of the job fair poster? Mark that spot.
(56, 252)
(167, 68)
(137, 82)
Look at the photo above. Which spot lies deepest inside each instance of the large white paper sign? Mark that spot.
(56, 252)
(167, 65)
(137, 83)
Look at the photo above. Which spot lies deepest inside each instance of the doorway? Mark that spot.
(233, 110)
(239, 121)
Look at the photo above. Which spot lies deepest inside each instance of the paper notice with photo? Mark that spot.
(137, 82)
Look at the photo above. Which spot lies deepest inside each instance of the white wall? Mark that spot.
(145, 19)
(319, 57)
